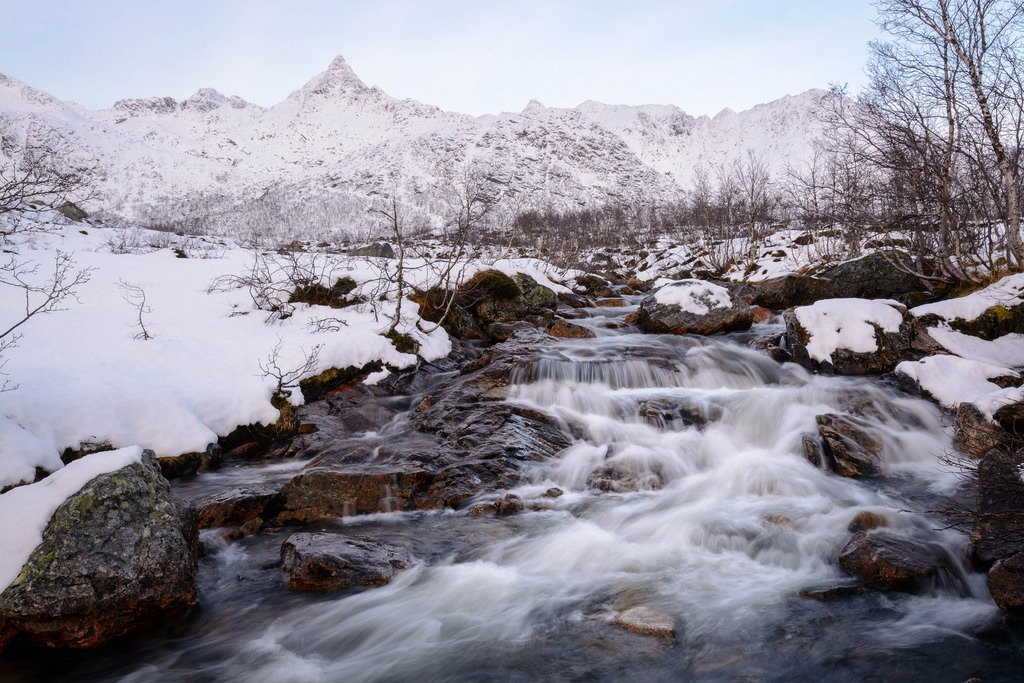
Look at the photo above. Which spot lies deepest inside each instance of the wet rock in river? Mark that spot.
(238, 506)
(116, 558)
(330, 490)
(889, 561)
(848, 449)
(832, 593)
(568, 330)
(325, 562)
(646, 621)
(866, 521)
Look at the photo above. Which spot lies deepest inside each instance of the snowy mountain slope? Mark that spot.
(338, 136)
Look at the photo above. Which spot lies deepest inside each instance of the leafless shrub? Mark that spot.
(135, 296)
(287, 379)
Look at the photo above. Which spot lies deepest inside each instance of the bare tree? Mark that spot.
(287, 378)
(35, 176)
(135, 296)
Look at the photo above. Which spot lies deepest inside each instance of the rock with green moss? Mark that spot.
(116, 558)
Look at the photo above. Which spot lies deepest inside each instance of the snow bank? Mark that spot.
(1007, 292)
(990, 403)
(1007, 351)
(952, 380)
(846, 324)
(693, 296)
(26, 510)
(82, 377)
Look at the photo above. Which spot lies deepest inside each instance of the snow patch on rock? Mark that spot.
(834, 324)
(952, 380)
(693, 296)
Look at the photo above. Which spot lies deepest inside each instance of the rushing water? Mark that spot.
(720, 525)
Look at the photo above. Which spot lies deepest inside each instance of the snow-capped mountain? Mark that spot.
(338, 137)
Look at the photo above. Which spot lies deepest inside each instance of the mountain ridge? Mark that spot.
(336, 136)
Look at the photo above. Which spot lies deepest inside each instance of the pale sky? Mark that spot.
(476, 57)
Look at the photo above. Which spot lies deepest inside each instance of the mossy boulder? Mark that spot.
(995, 322)
(116, 558)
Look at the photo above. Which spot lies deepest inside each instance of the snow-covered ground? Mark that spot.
(83, 377)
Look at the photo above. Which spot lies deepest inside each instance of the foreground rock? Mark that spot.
(693, 307)
(116, 558)
(848, 336)
(889, 561)
(989, 313)
(325, 562)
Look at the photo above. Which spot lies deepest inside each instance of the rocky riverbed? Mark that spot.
(572, 498)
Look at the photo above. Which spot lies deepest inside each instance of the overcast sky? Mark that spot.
(477, 57)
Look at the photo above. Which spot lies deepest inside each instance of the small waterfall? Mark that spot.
(687, 489)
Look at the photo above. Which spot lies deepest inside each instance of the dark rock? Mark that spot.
(502, 332)
(876, 276)
(188, 464)
(553, 492)
(848, 450)
(832, 593)
(511, 504)
(788, 291)
(593, 285)
(1011, 418)
(72, 212)
(328, 490)
(974, 435)
(325, 562)
(1006, 582)
(568, 330)
(374, 250)
(676, 413)
(570, 300)
(656, 318)
(998, 530)
(888, 561)
(866, 521)
(611, 302)
(117, 557)
(239, 506)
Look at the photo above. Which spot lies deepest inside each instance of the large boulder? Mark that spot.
(889, 561)
(117, 557)
(324, 562)
(787, 291)
(848, 336)
(693, 307)
(374, 250)
(879, 275)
